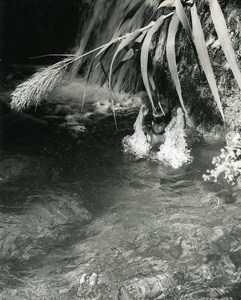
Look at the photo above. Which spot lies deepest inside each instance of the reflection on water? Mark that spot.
(96, 224)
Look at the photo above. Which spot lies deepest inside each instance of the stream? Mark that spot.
(91, 222)
(81, 219)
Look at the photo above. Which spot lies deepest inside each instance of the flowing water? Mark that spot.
(101, 28)
(91, 222)
(84, 220)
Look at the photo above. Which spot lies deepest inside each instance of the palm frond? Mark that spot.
(167, 3)
(144, 56)
(129, 54)
(132, 12)
(183, 19)
(124, 43)
(171, 57)
(103, 51)
(34, 90)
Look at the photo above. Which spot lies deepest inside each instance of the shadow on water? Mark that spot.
(91, 222)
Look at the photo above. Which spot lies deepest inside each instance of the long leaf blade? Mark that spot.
(183, 18)
(171, 58)
(167, 3)
(204, 57)
(102, 51)
(132, 11)
(144, 57)
(224, 38)
(127, 57)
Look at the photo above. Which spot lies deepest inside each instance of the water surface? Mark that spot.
(91, 222)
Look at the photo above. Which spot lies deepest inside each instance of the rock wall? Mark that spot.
(197, 93)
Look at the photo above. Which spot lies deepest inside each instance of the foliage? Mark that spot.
(145, 54)
(36, 88)
(203, 56)
(224, 39)
(233, 109)
(227, 163)
(171, 56)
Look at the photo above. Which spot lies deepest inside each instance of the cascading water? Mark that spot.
(101, 28)
(111, 23)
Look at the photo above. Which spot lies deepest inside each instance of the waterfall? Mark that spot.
(101, 28)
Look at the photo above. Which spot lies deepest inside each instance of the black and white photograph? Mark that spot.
(120, 149)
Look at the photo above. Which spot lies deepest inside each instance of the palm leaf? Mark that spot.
(125, 42)
(103, 51)
(204, 57)
(140, 38)
(152, 82)
(224, 38)
(144, 57)
(167, 3)
(104, 70)
(183, 19)
(171, 58)
(129, 54)
(132, 12)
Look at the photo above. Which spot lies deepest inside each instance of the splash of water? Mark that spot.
(174, 151)
(137, 143)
